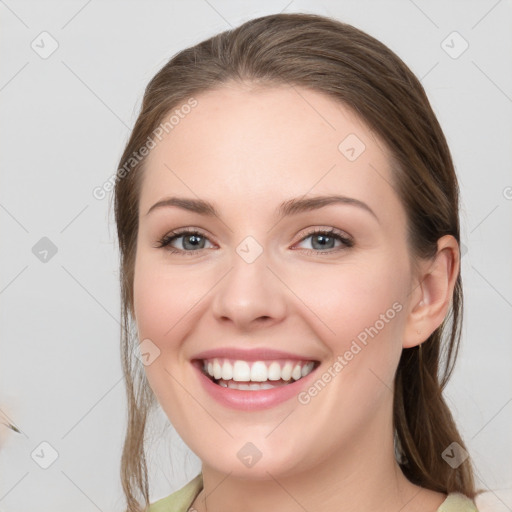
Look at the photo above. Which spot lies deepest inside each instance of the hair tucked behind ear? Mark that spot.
(351, 67)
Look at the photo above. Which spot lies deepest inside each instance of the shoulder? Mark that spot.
(180, 500)
(457, 502)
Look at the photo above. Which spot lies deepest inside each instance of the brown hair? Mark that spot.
(351, 67)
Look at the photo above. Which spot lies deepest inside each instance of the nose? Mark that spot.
(250, 295)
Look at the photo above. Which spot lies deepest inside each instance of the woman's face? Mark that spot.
(255, 289)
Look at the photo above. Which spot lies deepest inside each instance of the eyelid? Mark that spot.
(346, 240)
(164, 242)
(324, 229)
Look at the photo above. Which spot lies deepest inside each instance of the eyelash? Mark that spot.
(173, 235)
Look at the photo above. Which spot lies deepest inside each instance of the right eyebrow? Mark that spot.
(192, 205)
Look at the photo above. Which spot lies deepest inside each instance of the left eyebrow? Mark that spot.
(289, 207)
(299, 205)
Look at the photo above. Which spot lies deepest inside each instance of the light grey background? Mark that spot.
(65, 119)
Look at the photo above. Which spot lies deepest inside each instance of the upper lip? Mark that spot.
(253, 354)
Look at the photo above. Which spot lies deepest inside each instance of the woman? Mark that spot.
(287, 213)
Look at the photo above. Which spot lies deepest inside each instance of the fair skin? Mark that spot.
(247, 150)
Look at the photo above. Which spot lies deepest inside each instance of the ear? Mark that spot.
(432, 292)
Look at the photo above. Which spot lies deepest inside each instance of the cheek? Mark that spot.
(349, 299)
(362, 319)
(149, 300)
(161, 303)
(362, 315)
(162, 298)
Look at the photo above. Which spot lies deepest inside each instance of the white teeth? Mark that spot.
(296, 373)
(307, 368)
(257, 371)
(286, 372)
(253, 386)
(227, 371)
(217, 369)
(274, 371)
(241, 371)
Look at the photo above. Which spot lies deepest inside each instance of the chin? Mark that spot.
(254, 460)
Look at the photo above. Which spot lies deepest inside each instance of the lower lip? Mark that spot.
(252, 400)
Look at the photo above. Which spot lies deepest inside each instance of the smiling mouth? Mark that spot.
(255, 375)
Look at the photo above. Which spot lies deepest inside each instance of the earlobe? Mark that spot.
(432, 295)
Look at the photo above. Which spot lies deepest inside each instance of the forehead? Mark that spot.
(273, 143)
